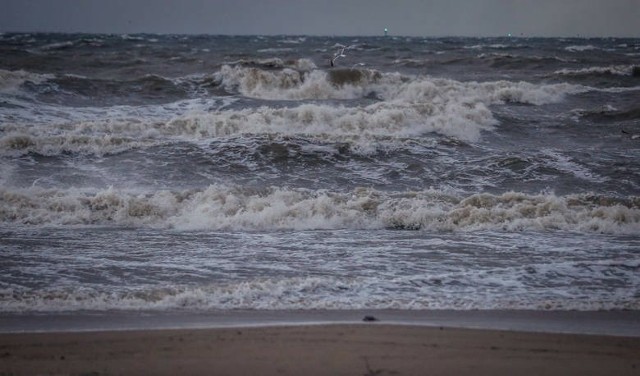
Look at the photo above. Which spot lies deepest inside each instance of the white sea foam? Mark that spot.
(57, 46)
(16, 143)
(449, 107)
(52, 130)
(10, 81)
(407, 107)
(581, 48)
(619, 89)
(411, 106)
(496, 46)
(278, 293)
(620, 70)
(357, 124)
(427, 108)
(224, 208)
(131, 37)
(496, 92)
(274, 50)
(292, 84)
(333, 123)
(566, 165)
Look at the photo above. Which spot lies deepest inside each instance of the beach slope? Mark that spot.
(363, 349)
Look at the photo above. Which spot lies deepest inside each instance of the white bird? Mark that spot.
(340, 52)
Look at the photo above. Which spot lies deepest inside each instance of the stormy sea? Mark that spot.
(173, 173)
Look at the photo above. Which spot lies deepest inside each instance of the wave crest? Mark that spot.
(617, 70)
(291, 84)
(229, 208)
(10, 81)
(395, 106)
(311, 292)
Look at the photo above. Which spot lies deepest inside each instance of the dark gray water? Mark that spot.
(202, 172)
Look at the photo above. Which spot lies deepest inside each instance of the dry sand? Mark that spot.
(365, 349)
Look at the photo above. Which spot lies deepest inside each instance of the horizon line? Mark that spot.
(506, 35)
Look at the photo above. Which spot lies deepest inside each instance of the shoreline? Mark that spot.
(330, 349)
(608, 323)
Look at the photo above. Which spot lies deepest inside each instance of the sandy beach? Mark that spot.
(359, 349)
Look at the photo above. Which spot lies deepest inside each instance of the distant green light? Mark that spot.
(386, 31)
(509, 35)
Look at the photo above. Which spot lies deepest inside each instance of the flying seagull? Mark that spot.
(340, 52)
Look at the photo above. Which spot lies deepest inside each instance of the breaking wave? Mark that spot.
(329, 123)
(225, 208)
(581, 48)
(619, 70)
(291, 84)
(405, 107)
(307, 293)
(19, 143)
(10, 81)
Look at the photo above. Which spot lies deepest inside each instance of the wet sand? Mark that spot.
(360, 349)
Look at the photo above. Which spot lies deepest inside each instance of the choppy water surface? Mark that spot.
(199, 172)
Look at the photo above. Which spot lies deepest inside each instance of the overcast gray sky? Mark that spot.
(328, 17)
